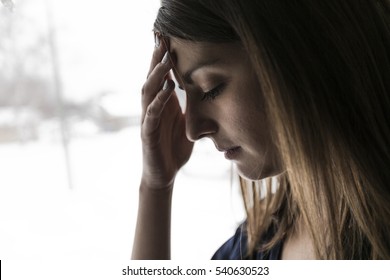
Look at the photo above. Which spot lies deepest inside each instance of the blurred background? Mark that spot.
(70, 153)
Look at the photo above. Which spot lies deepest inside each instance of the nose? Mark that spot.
(199, 122)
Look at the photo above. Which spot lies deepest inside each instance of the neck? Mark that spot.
(299, 245)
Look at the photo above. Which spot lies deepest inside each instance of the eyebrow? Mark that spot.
(187, 75)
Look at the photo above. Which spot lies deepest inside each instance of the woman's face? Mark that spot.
(224, 103)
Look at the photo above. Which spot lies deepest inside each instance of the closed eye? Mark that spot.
(211, 94)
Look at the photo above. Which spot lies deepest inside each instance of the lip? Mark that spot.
(230, 153)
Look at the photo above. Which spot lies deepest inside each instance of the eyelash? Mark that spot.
(211, 94)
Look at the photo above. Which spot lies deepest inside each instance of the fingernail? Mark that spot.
(157, 40)
(165, 58)
(165, 86)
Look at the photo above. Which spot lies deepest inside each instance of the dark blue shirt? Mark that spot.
(236, 247)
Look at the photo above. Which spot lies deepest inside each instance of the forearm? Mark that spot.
(152, 238)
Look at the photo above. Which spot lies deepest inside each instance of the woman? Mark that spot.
(293, 90)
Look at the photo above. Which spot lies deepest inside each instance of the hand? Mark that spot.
(164, 143)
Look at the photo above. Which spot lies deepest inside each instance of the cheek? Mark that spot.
(253, 131)
(242, 110)
(250, 118)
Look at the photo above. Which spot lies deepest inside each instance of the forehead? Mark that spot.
(188, 53)
(190, 48)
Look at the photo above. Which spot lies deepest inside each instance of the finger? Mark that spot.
(161, 46)
(155, 81)
(152, 115)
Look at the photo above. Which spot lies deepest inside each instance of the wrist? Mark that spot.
(155, 188)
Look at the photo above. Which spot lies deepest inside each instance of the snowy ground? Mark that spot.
(40, 217)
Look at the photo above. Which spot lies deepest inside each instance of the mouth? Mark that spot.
(230, 153)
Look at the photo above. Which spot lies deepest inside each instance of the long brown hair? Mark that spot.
(324, 68)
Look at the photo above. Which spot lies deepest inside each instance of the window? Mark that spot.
(70, 78)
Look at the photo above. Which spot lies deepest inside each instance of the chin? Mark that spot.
(256, 174)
